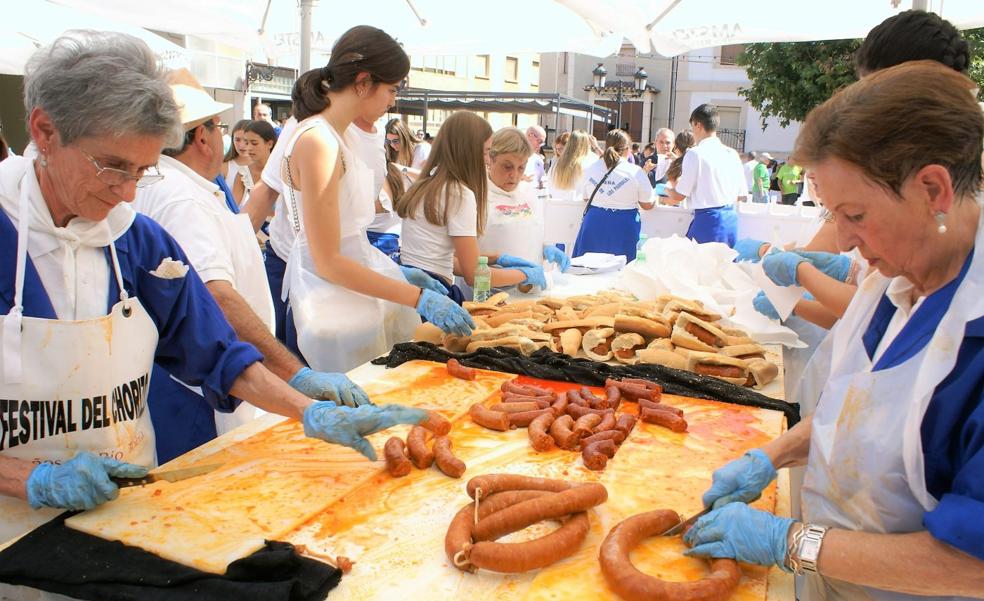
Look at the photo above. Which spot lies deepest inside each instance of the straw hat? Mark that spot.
(195, 105)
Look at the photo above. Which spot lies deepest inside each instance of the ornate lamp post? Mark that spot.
(619, 91)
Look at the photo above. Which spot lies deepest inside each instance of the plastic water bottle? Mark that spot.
(482, 281)
(640, 256)
(641, 242)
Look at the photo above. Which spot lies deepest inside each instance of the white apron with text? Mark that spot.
(338, 329)
(865, 470)
(514, 225)
(69, 386)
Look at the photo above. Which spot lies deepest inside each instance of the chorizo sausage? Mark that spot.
(457, 370)
(445, 459)
(633, 585)
(664, 418)
(559, 406)
(701, 334)
(641, 382)
(397, 463)
(521, 420)
(721, 371)
(459, 531)
(614, 396)
(517, 407)
(540, 440)
(625, 423)
(595, 402)
(577, 411)
(436, 423)
(633, 392)
(516, 398)
(561, 430)
(489, 484)
(596, 455)
(485, 417)
(607, 422)
(587, 422)
(644, 404)
(613, 435)
(531, 555)
(516, 517)
(574, 398)
(524, 389)
(421, 456)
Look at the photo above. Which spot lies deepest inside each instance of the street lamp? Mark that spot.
(619, 91)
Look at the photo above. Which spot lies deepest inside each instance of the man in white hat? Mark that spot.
(223, 251)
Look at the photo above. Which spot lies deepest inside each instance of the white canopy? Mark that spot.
(30, 25)
(674, 27)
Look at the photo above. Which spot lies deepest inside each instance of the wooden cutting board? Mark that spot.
(270, 482)
(394, 528)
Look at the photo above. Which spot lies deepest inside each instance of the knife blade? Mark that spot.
(169, 475)
(687, 522)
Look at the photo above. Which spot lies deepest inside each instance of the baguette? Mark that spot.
(624, 347)
(570, 341)
(650, 328)
(761, 372)
(718, 366)
(661, 357)
(597, 343)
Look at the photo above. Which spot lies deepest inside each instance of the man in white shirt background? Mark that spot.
(663, 157)
(536, 136)
(712, 181)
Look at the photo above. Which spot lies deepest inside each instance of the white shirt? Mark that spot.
(420, 153)
(624, 188)
(281, 226)
(662, 165)
(899, 293)
(749, 167)
(70, 262)
(712, 175)
(186, 205)
(572, 194)
(534, 169)
(429, 246)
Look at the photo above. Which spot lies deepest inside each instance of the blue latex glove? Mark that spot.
(741, 480)
(322, 386)
(764, 306)
(742, 533)
(349, 426)
(555, 255)
(418, 278)
(82, 482)
(834, 265)
(534, 276)
(781, 267)
(445, 313)
(511, 262)
(748, 250)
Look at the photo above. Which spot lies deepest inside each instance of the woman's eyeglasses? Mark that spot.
(393, 141)
(118, 177)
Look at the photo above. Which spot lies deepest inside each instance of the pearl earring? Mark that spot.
(44, 158)
(940, 218)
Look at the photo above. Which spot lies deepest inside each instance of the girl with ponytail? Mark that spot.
(614, 190)
(349, 301)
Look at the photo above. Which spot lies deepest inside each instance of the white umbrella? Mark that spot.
(34, 24)
(423, 26)
(673, 27)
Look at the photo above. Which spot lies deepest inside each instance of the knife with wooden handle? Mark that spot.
(169, 475)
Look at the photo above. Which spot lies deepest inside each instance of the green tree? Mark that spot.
(789, 79)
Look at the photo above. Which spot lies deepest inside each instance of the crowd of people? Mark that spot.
(130, 261)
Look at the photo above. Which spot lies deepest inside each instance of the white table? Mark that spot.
(769, 222)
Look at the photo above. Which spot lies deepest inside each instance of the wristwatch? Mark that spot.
(805, 549)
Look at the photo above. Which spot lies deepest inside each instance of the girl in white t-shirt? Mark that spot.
(444, 211)
(616, 189)
(236, 159)
(260, 138)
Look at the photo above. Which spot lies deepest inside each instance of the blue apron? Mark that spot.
(612, 231)
(717, 224)
(275, 269)
(388, 244)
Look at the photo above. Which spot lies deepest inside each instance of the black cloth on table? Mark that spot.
(548, 365)
(58, 559)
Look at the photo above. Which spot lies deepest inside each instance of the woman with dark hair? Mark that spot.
(614, 189)
(260, 137)
(349, 301)
(912, 35)
(236, 159)
(684, 141)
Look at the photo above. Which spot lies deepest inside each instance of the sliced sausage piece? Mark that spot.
(540, 439)
(562, 431)
(457, 370)
(612, 435)
(436, 423)
(485, 417)
(587, 422)
(607, 422)
(517, 407)
(421, 456)
(521, 420)
(664, 418)
(596, 455)
(397, 463)
(625, 423)
(445, 459)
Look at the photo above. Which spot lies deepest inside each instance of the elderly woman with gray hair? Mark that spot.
(93, 294)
